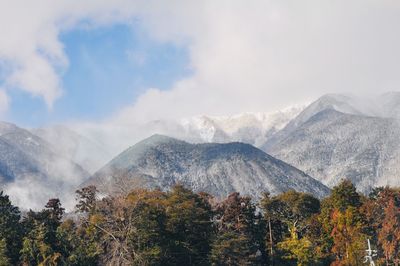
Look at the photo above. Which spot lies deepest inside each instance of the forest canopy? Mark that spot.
(180, 227)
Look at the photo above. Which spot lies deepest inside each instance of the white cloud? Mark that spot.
(31, 53)
(260, 56)
(245, 56)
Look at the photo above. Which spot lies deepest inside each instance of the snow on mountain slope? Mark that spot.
(31, 172)
(218, 169)
(251, 128)
(332, 145)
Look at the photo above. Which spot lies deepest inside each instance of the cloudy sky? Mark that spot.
(115, 60)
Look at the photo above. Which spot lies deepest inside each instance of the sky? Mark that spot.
(123, 62)
(108, 68)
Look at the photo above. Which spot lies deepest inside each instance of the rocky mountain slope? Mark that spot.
(218, 169)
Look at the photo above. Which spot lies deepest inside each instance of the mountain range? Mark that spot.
(340, 137)
(334, 137)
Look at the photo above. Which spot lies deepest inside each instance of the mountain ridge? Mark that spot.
(219, 169)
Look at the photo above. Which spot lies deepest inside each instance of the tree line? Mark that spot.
(180, 227)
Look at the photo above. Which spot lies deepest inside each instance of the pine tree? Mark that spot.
(240, 233)
(10, 229)
(149, 239)
(36, 248)
(76, 245)
(345, 195)
(86, 199)
(189, 225)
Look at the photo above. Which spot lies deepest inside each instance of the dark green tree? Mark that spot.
(76, 244)
(4, 259)
(240, 233)
(189, 226)
(10, 229)
(86, 198)
(148, 241)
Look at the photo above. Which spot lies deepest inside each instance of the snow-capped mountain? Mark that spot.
(92, 145)
(340, 137)
(218, 169)
(31, 171)
(251, 128)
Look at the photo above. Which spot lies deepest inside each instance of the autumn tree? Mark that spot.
(348, 236)
(389, 234)
(344, 225)
(294, 210)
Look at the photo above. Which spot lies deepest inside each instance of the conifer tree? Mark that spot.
(149, 239)
(240, 233)
(189, 226)
(10, 229)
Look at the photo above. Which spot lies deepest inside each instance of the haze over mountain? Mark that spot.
(68, 143)
(219, 169)
(31, 171)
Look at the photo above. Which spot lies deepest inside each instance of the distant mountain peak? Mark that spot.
(157, 139)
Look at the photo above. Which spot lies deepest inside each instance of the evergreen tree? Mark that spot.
(10, 229)
(345, 195)
(37, 248)
(240, 233)
(86, 199)
(76, 244)
(149, 240)
(4, 259)
(189, 225)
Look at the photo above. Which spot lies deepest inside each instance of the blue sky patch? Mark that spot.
(108, 68)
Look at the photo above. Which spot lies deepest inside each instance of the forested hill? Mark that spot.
(219, 169)
(180, 227)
